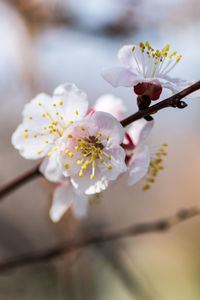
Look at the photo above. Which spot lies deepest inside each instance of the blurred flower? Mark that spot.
(111, 104)
(146, 70)
(66, 196)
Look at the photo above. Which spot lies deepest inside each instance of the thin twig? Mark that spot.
(19, 180)
(173, 101)
(100, 237)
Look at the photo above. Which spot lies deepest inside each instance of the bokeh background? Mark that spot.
(47, 42)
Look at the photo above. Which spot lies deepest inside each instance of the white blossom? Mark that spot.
(146, 70)
(45, 119)
(90, 152)
(84, 147)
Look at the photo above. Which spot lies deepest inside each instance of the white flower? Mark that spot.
(45, 119)
(90, 152)
(138, 157)
(66, 196)
(146, 70)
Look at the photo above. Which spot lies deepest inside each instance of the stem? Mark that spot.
(96, 238)
(18, 181)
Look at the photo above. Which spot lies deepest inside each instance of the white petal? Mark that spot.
(111, 104)
(50, 168)
(139, 165)
(62, 199)
(140, 130)
(125, 56)
(32, 137)
(86, 185)
(80, 204)
(74, 102)
(109, 126)
(120, 76)
(117, 162)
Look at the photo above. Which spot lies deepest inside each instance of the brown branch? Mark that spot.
(18, 181)
(173, 101)
(100, 237)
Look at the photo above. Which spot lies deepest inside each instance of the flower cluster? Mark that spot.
(75, 144)
(83, 149)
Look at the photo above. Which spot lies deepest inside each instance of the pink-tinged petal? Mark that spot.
(74, 102)
(138, 165)
(120, 76)
(80, 204)
(125, 56)
(111, 104)
(177, 84)
(62, 200)
(85, 185)
(117, 163)
(140, 130)
(51, 170)
(109, 127)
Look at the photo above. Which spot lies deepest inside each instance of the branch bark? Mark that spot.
(18, 181)
(173, 101)
(100, 237)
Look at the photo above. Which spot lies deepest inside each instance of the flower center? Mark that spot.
(154, 63)
(91, 153)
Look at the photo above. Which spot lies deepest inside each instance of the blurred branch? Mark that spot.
(18, 181)
(173, 101)
(100, 237)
